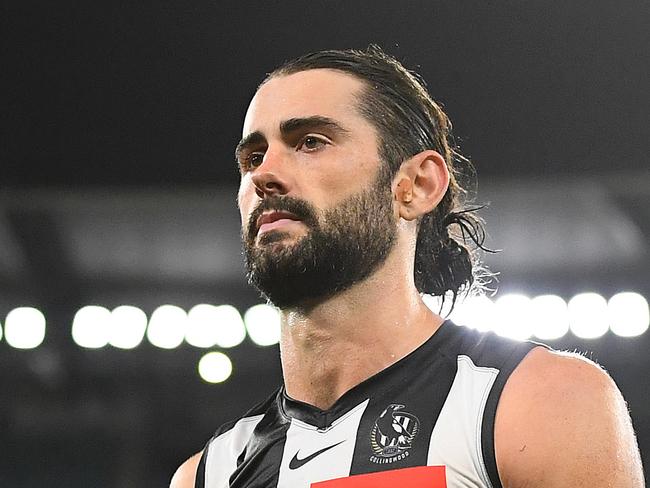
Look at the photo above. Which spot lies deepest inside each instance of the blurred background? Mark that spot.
(128, 333)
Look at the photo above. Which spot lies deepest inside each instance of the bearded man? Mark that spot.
(352, 209)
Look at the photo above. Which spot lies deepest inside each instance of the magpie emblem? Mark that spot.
(393, 434)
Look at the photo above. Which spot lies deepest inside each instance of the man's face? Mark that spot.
(316, 207)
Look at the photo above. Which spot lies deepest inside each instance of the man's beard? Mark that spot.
(343, 248)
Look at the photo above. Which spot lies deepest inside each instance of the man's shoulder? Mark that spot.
(185, 475)
(561, 419)
(235, 433)
(567, 372)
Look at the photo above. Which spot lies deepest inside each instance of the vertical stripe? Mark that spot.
(489, 415)
(222, 452)
(456, 438)
(259, 462)
(312, 454)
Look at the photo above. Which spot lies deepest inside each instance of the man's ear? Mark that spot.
(420, 184)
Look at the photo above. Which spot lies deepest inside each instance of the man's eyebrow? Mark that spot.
(290, 126)
(313, 122)
(252, 139)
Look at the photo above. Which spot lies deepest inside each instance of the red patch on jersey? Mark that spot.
(418, 477)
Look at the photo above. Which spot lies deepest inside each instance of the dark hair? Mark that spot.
(397, 103)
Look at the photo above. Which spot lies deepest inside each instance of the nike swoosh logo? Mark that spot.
(295, 463)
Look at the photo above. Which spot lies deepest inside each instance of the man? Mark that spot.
(351, 209)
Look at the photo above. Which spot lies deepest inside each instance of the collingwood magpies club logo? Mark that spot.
(392, 435)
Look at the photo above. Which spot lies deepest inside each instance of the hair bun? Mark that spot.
(451, 269)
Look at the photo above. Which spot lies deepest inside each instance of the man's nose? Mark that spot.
(269, 178)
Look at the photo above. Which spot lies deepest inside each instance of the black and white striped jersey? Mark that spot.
(427, 420)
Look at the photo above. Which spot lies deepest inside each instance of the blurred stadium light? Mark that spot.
(90, 326)
(210, 325)
(513, 313)
(477, 312)
(167, 327)
(628, 314)
(549, 317)
(127, 327)
(263, 324)
(25, 328)
(202, 326)
(588, 315)
(215, 367)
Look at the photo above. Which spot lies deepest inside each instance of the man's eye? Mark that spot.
(254, 160)
(311, 143)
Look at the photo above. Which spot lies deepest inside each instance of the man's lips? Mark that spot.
(274, 219)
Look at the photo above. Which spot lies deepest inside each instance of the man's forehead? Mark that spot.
(324, 92)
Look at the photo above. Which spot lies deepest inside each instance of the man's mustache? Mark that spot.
(303, 211)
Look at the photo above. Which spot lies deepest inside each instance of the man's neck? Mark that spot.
(341, 342)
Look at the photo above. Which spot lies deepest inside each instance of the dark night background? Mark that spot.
(117, 185)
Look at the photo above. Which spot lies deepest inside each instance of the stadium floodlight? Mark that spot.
(215, 367)
(127, 327)
(202, 325)
(167, 327)
(477, 312)
(549, 317)
(209, 325)
(263, 324)
(25, 328)
(628, 314)
(588, 315)
(90, 327)
(513, 312)
(231, 330)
